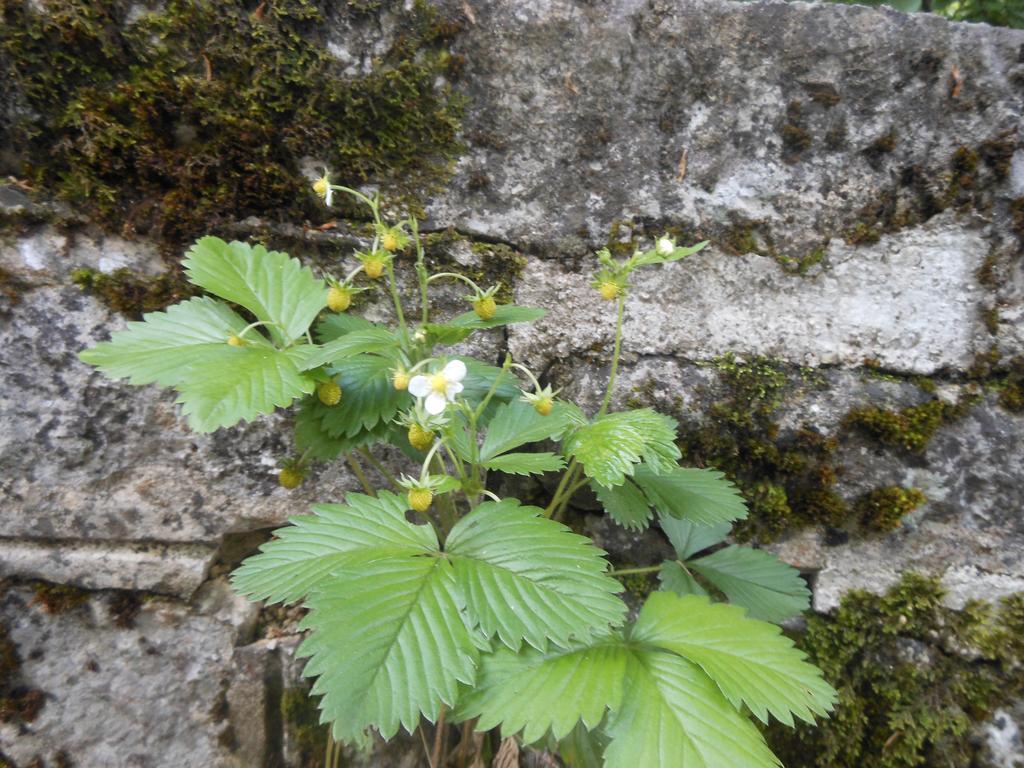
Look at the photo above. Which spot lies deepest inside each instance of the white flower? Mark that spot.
(322, 187)
(665, 247)
(439, 388)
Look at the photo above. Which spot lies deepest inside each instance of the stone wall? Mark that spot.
(856, 325)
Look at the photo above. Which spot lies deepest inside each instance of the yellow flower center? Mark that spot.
(320, 186)
(439, 383)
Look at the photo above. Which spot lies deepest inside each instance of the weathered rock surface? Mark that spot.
(854, 169)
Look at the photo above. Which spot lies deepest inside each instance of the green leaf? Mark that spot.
(241, 384)
(625, 503)
(767, 587)
(273, 286)
(701, 496)
(446, 335)
(526, 463)
(368, 397)
(583, 748)
(479, 379)
(306, 552)
(751, 661)
(529, 578)
(164, 346)
(611, 445)
(518, 423)
(338, 324)
(504, 314)
(536, 692)
(673, 715)
(388, 643)
(653, 257)
(311, 436)
(675, 578)
(690, 538)
(349, 345)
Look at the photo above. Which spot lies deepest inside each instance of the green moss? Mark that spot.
(498, 263)
(1011, 395)
(990, 316)
(883, 509)
(302, 721)
(911, 428)
(881, 147)
(795, 138)
(198, 113)
(132, 294)
(997, 153)
(906, 696)
(789, 480)
(58, 598)
(862, 234)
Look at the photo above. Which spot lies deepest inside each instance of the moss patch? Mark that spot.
(58, 598)
(795, 138)
(132, 294)
(883, 509)
(908, 694)
(1011, 395)
(302, 721)
(199, 112)
(910, 428)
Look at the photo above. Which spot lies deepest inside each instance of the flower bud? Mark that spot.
(609, 290)
(338, 298)
(329, 393)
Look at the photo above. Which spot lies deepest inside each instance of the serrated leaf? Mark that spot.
(626, 505)
(164, 346)
(673, 715)
(504, 314)
(610, 447)
(368, 397)
(338, 324)
(526, 577)
(311, 436)
(272, 285)
(525, 463)
(349, 345)
(689, 538)
(446, 335)
(517, 423)
(675, 578)
(306, 552)
(702, 496)
(479, 379)
(388, 644)
(767, 587)
(241, 384)
(751, 661)
(583, 748)
(535, 692)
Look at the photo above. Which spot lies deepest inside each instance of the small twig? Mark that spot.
(438, 739)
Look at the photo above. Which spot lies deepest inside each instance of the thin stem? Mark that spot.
(529, 374)
(630, 571)
(569, 470)
(421, 271)
(360, 475)
(615, 356)
(456, 462)
(490, 495)
(395, 297)
(457, 276)
(438, 737)
(426, 747)
(353, 273)
(494, 387)
(379, 467)
(430, 455)
(374, 206)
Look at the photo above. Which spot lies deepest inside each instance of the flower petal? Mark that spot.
(419, 386)
(452, 390)
(454, 371)
(435, 403)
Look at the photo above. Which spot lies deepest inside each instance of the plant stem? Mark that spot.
(395, 298)
(360, 475)
(629, 571)
(457, 276)
(615, 356)
(421, 271)
(379, 467)
(494, 387)
(438, 738)
(569, 470)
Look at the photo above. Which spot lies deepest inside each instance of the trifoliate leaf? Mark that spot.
(335, 352)
(767, 587)
(751, 661)
(701, 496)
(537, 692)
(529, 578)
(273, 286)
(505, 314)
(610, 447)
(626, 505)
(674, 577)
(241, 384)
(525, 463)
(673, 715)
(186, 347)
(368, 397)
(306, 552)
(388, 643)
(690, 538)
(517, 423)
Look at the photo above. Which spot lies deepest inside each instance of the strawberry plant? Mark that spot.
(436, 598)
